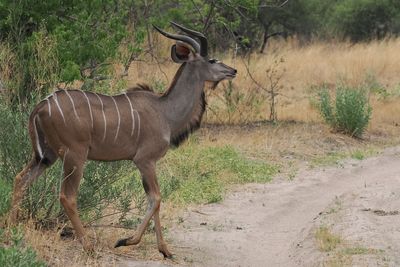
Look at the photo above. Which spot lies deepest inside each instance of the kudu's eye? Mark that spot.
(213, 60)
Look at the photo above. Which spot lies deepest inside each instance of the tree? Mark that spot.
(364, 19)
(78, 35)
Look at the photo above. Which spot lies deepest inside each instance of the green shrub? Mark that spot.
(16, 253)
(5, 196)
(350, 113)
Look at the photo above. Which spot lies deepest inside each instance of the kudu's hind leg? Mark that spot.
(73, 170)
(162, 246)
(152, 190)
(22, 181)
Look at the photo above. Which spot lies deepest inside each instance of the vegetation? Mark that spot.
(206, 172)
(95, 45)
(350, 112)
(339, 252)
(50, 42)
(326, 240)
(14, 252)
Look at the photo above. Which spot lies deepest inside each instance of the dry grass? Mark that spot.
(303, 67)
(338, 251)
(59, 251)
(326, 240)
(290, 145)
(299, 140)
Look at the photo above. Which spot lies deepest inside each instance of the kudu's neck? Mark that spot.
(183, 98)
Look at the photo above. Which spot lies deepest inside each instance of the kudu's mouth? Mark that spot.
(231, 74)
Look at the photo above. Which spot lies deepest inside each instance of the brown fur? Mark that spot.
(140, 87)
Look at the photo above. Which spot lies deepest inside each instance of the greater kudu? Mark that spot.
(138, 125)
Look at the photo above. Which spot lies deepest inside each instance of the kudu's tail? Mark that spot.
(42, 152)
(43, 156)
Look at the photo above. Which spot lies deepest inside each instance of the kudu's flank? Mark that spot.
(138, 125)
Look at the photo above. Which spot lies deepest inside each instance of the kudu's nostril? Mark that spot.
(235, 70)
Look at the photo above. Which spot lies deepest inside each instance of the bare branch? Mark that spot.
(158, 65)
(208, 19)
(274, 34)
(89, 224)
(251, 76)
(228, 3)
(110, 226)
(198, 10)
(273, 6)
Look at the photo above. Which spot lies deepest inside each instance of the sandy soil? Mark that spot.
(274, 224)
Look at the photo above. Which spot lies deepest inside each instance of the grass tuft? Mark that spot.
(326, 240)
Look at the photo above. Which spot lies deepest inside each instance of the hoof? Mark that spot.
(121, 243)
(167, 255)
(163, 249)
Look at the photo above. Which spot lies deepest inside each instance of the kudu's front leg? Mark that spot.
(152, 190)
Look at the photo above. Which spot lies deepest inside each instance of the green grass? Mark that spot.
(331, 158)
(363, 153)
(13, 251)
(358, 155)
(197, 174)
(5, 196)
(361, 251)
(335, 158)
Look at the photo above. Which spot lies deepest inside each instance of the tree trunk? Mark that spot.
(265, 39)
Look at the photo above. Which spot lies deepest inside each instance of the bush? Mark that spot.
(363, 19)
(16, 253)
(350, 113)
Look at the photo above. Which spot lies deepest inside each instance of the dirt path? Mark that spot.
(274, 224)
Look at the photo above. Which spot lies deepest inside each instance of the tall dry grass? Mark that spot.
(303, 67)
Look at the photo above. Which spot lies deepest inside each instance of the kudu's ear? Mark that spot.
(180, 52)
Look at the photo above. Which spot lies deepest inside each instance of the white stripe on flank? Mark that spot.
(104, 117)
(49, 106)
(132, 115)
(39, 149)
(90, 107)
(119, 119)
(138, 117)
(73, 104)
(59, 108)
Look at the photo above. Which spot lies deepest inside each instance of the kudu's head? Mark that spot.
(188, 50)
